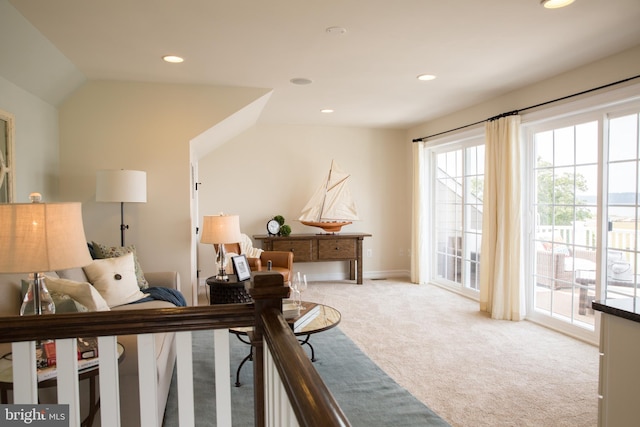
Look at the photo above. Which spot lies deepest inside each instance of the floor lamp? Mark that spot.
(123, 186)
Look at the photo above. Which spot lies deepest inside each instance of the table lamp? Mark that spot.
(219, 230)
(39, 237)
(121, 186)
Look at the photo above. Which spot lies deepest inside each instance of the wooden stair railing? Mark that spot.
(310, 399)
(308, 396)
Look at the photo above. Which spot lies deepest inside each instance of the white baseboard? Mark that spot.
(325, 277)
(329, 276)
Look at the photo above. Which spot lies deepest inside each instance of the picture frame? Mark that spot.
(241, 267)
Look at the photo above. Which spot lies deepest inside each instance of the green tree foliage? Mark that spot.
(559, 190)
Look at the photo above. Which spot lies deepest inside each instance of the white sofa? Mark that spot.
(10, 302)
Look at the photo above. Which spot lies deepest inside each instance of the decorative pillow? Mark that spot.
(63, 303)
(102, 251)
(115, 279)
(81, 292)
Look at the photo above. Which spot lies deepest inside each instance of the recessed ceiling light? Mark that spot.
(300, 81)
(426, 77)
(172, 59)
(336, 31)
(555, 4)
(326, 110)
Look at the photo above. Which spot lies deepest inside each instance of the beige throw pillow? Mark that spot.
(115, 279)
(81, 292)
(103, 251)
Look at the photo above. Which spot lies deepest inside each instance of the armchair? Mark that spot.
(281, 261)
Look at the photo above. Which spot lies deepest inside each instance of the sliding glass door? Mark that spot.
(623, 206)
(565, 188)
(581, 195)
(582, 167)
(459, 183)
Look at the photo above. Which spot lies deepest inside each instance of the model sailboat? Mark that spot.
(331, 206)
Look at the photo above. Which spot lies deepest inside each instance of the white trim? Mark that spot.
(563, 327)
(456, 138)
(590, 103)
(457, 288)
(599, 108)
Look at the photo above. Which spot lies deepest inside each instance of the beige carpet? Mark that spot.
(468, 368)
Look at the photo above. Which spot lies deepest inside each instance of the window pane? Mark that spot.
(623, 138)
(458, 215)
(563, 146)
(622, 210)
(564, 186)
(587, 185)
(587, 143)
(471, 161)
(622, 183)
(544, 149)
(622, 228)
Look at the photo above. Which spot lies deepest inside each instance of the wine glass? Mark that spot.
(302, 286)
(294, 285)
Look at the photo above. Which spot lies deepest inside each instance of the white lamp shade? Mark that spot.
(41, 237)
(221, 229)
(121, 186)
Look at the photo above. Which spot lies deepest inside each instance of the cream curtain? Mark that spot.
(420, 215)
(501, 278)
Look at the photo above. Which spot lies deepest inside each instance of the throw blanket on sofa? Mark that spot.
(173, 296)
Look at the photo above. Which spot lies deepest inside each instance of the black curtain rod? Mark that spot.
(514, 112)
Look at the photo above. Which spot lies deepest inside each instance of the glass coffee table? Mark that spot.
(324, 318)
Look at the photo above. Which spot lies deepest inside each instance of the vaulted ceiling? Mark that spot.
(361, 56)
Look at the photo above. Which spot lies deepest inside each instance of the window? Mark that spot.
(623, 206)
(581, 196)
(459, 183)
(565, 177)
(584, 194)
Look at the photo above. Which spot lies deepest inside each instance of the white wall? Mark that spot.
(614, 68)
(274, 169)
(36, 142)
(142, 126)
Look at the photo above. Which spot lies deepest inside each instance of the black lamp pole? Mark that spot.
(122, 224)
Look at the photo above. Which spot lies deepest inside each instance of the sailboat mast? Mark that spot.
(326, 186)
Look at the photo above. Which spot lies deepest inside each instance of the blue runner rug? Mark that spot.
(366, 394)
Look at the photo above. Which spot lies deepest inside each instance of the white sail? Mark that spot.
(332, 201)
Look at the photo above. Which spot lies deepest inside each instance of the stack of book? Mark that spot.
(290, 310)
(46, 357)
(305, 316)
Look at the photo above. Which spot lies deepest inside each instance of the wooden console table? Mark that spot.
(321, 248)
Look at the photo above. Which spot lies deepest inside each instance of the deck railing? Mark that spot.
(307, 397)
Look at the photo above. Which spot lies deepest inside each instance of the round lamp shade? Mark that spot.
(121, 186)
(220, 229)
(41, 237)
